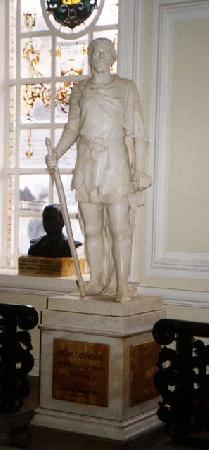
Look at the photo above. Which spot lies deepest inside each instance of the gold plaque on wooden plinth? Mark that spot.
(143, 361)
(80, 372)
(39, 266)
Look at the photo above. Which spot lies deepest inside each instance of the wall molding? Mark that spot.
(10, 281)
(129, 38)
(178, 297)
(160, 262)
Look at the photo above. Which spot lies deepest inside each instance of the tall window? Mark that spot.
(45, 61)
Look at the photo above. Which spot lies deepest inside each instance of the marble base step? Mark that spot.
(111, 429)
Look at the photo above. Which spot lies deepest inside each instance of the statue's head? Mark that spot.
(53, 222)
(101, 53)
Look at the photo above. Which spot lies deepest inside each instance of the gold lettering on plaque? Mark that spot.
(143, 360)
(80, 372)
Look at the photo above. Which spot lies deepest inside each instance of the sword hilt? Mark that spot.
(48, 146)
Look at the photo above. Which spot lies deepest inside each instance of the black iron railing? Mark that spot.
(16, 360)
(182, 379)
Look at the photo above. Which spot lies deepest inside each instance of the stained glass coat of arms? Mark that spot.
(71, 13)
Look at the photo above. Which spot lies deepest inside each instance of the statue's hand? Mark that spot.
(51, 161)
(142, 180)
(51, 158)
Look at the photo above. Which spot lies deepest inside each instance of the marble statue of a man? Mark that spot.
(105, 120)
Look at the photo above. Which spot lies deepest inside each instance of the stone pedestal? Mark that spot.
(97, 364)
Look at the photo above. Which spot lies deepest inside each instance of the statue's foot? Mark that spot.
(123, 295)
(93, 288)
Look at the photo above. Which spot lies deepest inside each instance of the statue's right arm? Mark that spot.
(70, 131)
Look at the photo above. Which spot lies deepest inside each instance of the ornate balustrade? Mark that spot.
(182, 378)
(16, 360)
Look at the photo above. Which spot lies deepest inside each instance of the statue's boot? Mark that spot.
(122, 254)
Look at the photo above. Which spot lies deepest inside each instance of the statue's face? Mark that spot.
(101, 58)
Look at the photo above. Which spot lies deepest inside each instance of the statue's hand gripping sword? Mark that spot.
(62, 199)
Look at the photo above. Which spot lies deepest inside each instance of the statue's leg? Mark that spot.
(93, 218)
(120, 229)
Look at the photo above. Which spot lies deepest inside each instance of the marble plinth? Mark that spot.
(97, 363)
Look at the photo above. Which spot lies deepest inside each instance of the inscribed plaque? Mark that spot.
(80, 372)
(143, 360)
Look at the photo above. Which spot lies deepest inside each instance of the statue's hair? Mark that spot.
(108, 44)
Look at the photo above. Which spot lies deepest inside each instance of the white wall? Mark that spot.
(174, 247)
(188, 165)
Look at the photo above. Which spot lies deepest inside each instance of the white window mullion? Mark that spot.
(53, 85)
(52, 106)
(105, 27)
(18, 120)
(43, 126)
(4, 131)
(35, 171)
(31, 34)
(38, 80)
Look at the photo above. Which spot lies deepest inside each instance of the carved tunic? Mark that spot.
(100, 119)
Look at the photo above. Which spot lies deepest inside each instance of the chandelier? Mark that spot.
(71, 13)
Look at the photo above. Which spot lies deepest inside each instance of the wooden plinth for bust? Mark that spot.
(39, 266)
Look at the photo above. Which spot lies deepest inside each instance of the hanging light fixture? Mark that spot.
(71, 13)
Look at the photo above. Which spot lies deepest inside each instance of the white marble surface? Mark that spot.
(105, 305)
(104, 326)
(118, 430)
(106, 121)
(98, 324)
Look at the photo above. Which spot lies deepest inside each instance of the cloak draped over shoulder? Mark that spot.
(101, 118)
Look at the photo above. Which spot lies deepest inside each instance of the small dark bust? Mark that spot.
(54, 244)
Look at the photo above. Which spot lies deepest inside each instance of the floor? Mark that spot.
(41, 438)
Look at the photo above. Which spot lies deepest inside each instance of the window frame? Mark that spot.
(127, 22)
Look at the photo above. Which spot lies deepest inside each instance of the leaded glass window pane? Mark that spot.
(31, 16)
(30, 228)
(109, 13)
(79, 29)
(32, 148)
(36, 57)
(62, 97)
(33, 192)
(71, 57)
(35, 103)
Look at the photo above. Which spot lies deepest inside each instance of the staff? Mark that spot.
(61, 195)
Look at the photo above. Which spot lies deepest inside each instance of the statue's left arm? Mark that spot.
(136, 138)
